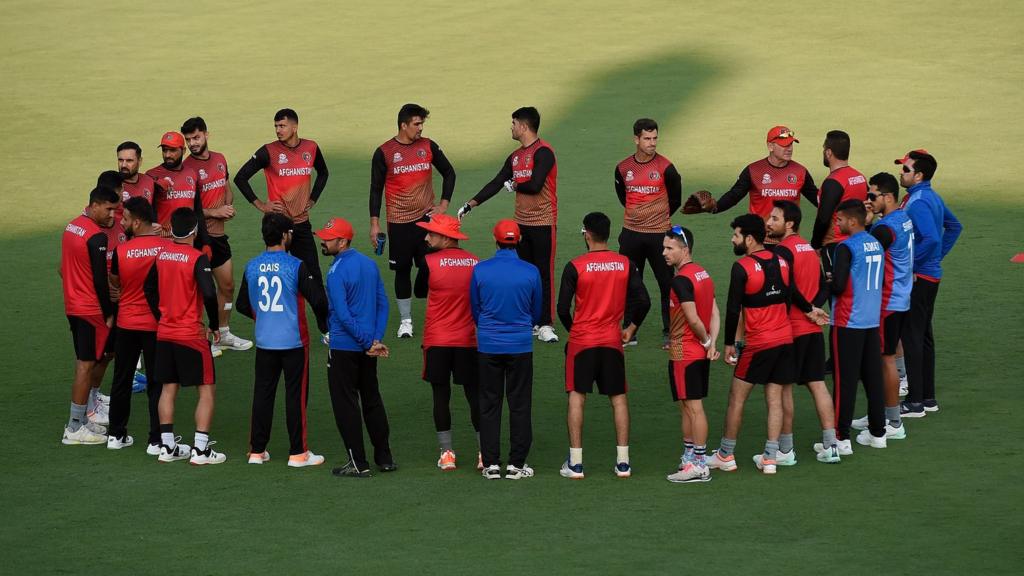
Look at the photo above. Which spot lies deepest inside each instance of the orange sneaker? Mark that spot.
(307, 458)
(446, 461)
(259, 457)
(766, 465)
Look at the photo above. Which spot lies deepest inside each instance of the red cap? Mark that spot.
(172, 140)
(506, 232)
(336, 228)
(444, 225)
(907, 157)
(782, 136)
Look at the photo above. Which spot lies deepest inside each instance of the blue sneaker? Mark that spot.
(622, 470)
(139, 383)
(571, 472)
(911, 410)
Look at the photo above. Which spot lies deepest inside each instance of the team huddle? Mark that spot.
(149, 255)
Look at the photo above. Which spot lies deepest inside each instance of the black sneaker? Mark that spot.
(931, 405)
(388, 467)
(350, 470)
(912, 410)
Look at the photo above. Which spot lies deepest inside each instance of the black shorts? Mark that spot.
(584, 366)
(766, 365)
(184, 363)
(406, 243)
(688, 379)
(892, 326)
(809, 358)
(91, 337)
(220, 250)
(460, 365)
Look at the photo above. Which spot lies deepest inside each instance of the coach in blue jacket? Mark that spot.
(507, 301)
(357, 318)
(936, 230)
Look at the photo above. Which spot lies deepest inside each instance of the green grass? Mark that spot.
(78, 78)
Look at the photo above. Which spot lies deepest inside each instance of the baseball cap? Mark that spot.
(506, 232)
(907, 156)
(172, 140)
(444, 225)
(782, 136)
(336, 228)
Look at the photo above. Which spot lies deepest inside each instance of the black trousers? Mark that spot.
(641, 248)
(304, 247)
(270, 364)
(537, 246)
(501, 376)
(857, 355)
(919, 342)
(352, 379)
(127, 347)
(442, 393)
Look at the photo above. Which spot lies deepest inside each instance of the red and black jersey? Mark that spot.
(83, 269)
(444, 277)
(535, 172)
(179, 285)
(404, 174)
(213, 186)
(759, 286)
(600, 285)
(288, 172)
(692, 283)
(143, 186)
(131, 263)
(650, 192)
(765, 184)
(809, 288)
(115, 237)
(841, 185)
(174, 189)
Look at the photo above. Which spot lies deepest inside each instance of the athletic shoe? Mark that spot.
(536, 329)
(865, 438)
(843, 447)
(83, 436)
(479, 461)
(860, 423)
(100, 415)
(785, 458)
(904, 386)
(259, 457)
(307, 458)
(622, 470)
(96, 428)
(691, 472)
(153, 449)
(828, 455)
(350, 470)
(766, 465)
(229, 341)
(139, 383)
(570, 471)
(208, 456)
(447, 460)
(325, 339)
(895, 432)
(632, 342)
(547, 334)
(725, 464)
(405, 329)
(179, 452)
(215, 351)
(102, 398)
(115, 443)
(388, 466)
(912, 410)
(492, 472)
(931, 405)
(516, 473)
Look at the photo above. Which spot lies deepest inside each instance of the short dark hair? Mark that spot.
(886, 183)
(129, 145)
(790, 212)
(183, 221)
(195, 123)
(140, 208)
(275, 225)
(101, 194)
(839, 143)
(286, 113)
(110, 179)
(750, 225)
(409, 111)
(924, 163)
(853, 208)
(644, 125)
(681, 232)
(528, 115)
(599, 226)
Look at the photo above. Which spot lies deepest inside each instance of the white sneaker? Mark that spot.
(572, 472)
(229, 341)
(536, 329)
(844, 447)
(96, 428)
(865, 438)
(785, 458)
(904, 386)
(215, 351)
(828, 455)
(547, 334)
(102, 398)
(259, 457)
(690, 473)
(860, 423)
(405, 329)
(179, 452)
(895, 432)
(765, 466)
(115, 443)
(207, 456)
(306, 459)
(716, 462)
(515, 473)
(492, 472)
(83, 436)
(100, 415)
(153, 449)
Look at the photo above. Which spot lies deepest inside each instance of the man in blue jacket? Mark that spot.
(507, 301)
(936, 230)
(357, 319)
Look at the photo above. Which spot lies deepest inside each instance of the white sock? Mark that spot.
(622, 454)
(575, 456)
(404, 308)
(224, 330)
(202, 440)
(167, 439)
(90, 405)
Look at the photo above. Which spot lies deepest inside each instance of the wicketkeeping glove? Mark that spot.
(700, 201)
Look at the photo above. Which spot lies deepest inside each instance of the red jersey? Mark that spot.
(289, 175)
(540, 209)
(855, 186)
(764, 184)
(761, 280)
(132, 262)
(83, 250)
(115, 237)
(647, 206)
(692, 283)
(143, 186)
(179, 268)
(213, 186)
(807, 280)
(409, 180)
(174, 189)
(449, 320)
(601, 289)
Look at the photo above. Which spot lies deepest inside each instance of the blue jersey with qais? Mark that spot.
(272, 279)
(899, 262)
(859, 305)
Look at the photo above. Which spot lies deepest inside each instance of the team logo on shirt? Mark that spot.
(191, 181)
(766, 179)
(653, 175)
(629, 175)
(791, 178)
(147, 194)
(421, 153)
(282, 158)
(202, 174)
(170, 182)
(515, 160)
(221, 168)
(527, 159)
(397, 157)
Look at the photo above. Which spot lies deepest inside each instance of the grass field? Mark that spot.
(78, 78)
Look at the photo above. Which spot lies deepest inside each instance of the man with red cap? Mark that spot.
(506, 300)
(449, 335)
(357, 317)
(177, 186)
